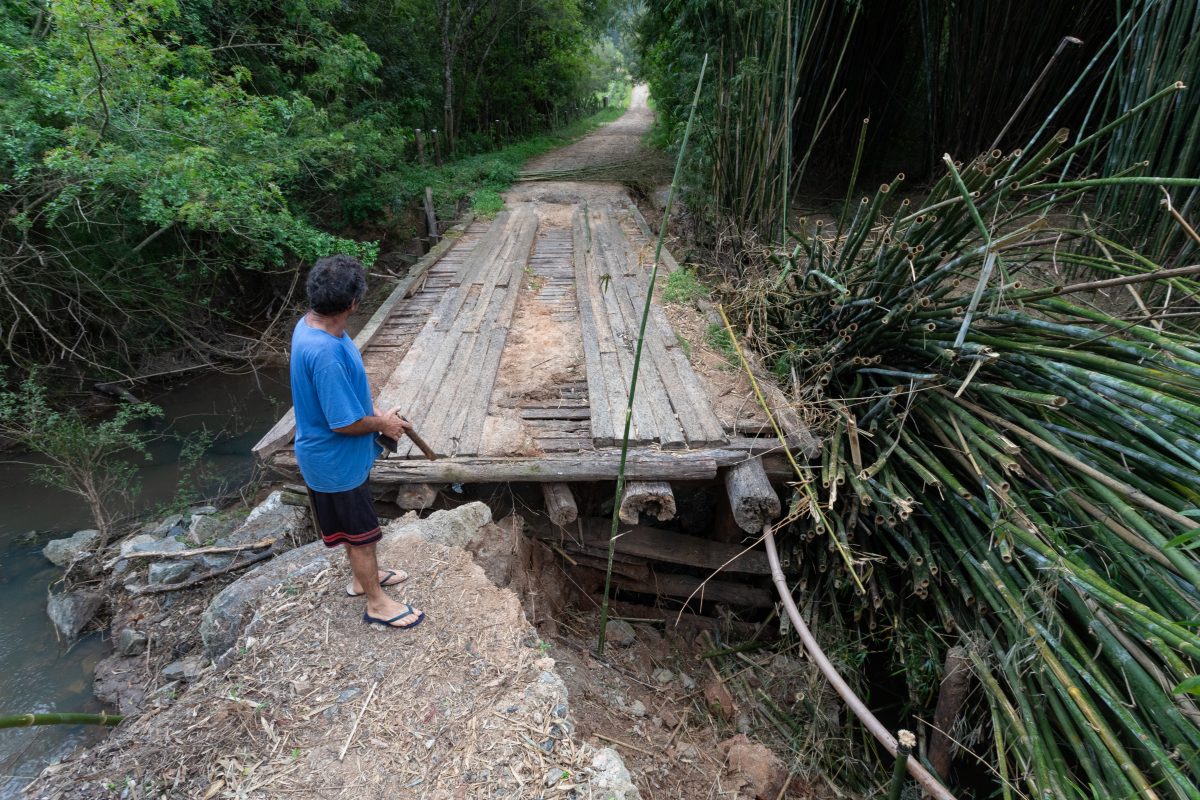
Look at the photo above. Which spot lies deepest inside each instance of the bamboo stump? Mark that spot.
(651, 497)
(751, 496)
(955, 685)
(560, 503)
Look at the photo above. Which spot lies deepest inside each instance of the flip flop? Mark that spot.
(393, 577)
(390, 623)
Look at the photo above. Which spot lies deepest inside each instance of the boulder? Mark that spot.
(138, 544)
(453, 528)
(205, 510)
(131, 642)
(229, 612)
(63, 551)
(71, 611)
(764, 772)
(170, 571)
(203, 528)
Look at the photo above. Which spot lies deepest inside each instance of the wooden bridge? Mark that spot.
(510, 346)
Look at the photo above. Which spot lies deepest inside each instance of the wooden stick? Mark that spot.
(199, 551)
(357, 720)
(158, 588)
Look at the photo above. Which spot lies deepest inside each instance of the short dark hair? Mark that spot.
(334, 283)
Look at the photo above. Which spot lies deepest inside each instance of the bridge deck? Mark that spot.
(511, 348)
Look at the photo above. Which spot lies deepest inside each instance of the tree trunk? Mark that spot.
(447, 75)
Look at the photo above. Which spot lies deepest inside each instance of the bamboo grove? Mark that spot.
(802, 87)
(1012, 462)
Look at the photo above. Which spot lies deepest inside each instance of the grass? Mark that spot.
(683, 287)
(718, 339)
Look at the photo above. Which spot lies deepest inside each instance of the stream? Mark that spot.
(37, 673)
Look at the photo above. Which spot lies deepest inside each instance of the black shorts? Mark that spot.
(346, 517)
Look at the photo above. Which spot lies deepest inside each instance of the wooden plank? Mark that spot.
(674, 548)
(688, 400)
(603, 432)
(281, 432)
(580, 412)
(588, 465)
(651, 402)
(687, 586)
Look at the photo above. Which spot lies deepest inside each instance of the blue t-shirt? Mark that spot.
(330, 390)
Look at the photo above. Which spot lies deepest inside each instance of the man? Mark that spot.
(336, 425)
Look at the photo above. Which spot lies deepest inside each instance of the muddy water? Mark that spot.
(37, 674)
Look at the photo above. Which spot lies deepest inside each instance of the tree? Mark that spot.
(93, 460)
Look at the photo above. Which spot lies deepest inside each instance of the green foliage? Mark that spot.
(683, 287)
(92, 459)
(486, 202)
(718, 339)
(166, 163)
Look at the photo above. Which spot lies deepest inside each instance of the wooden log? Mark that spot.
(751, 496)
(430, 216)
(673, 548)
(652, 497)
(560, 503)
(688, 586)
(281, 433)
(415, 496)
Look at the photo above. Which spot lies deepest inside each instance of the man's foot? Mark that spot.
(397, 615)
(389, 577)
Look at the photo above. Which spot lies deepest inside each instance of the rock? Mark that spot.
(136, 544)
(454, 528)
(203, 510)
(669, 718)
(686, 681)
(718, 699)
(620, 633)
(554, 775)
(763, 769)
(71, 611)
(211, 561)
(185, 669)
(687, 753)
(131, 642)
(63, 551)
(170, 571)
(610, 778)
(167, 524)
(412, 496)
(118, 682)
(637, 708)
(663, 676)
(270, 519)
(229, 612)
(202, 529)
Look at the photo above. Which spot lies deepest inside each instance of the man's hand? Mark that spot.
(396, 424)
(390, 423)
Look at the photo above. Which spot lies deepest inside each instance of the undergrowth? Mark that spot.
(683, 287)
